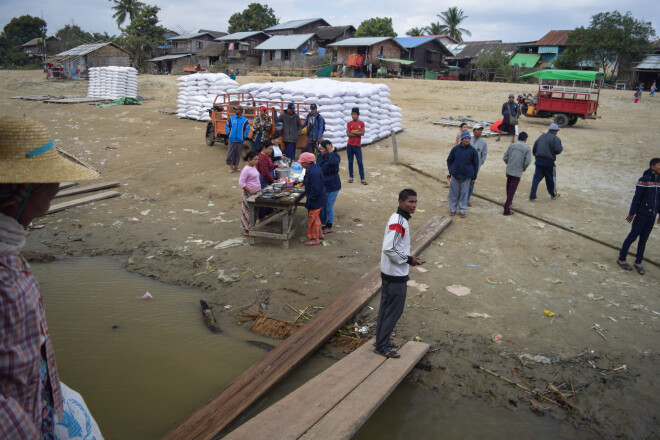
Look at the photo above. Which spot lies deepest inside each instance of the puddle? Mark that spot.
(161, 363)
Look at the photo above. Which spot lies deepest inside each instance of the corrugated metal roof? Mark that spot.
(83, 49)
(239, 36)
(409, 42)
(525, 59)
(651, 62)
(285, 42)
(554, 38)
(472, 49)
(331, 32)
(191, 36)
(364, 41)
(293, 24)
(170, 57)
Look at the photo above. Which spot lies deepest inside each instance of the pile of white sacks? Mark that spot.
(198, 91)
(335, 99)
(112, 82)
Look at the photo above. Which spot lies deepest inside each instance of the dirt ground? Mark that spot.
(516, 267)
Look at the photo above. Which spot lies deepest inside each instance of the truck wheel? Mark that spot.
(247, 147)
(572, 119)
(210, 134)
(561, 120)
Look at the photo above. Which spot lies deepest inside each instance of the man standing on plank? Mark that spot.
(395, 262)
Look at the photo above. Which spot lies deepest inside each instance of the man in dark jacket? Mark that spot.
(643, 209)
(315, 127)
(329, 160)
(291, 128)
(546, 148)
(463, 164)
(316, 198)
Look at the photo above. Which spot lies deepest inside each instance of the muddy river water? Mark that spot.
(143, 365)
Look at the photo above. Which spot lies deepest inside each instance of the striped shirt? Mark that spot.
(23, 331)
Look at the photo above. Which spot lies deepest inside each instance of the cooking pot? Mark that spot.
(282, 172)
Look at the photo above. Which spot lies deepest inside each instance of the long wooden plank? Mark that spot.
(65, 185)
(349, 415)
(296, 413)
(85, 189)
(247, 388)
(76, 202)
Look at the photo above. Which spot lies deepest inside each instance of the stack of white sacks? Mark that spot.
(198, 91)
(112, 82)
(335, 99)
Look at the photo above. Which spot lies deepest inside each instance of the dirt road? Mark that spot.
(516, 267)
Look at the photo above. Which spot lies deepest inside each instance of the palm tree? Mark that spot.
(434, 29)
(125, 8)
(416, 32)
(452, 18)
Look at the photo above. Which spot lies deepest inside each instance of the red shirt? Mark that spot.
(355, 126)
(264, 165)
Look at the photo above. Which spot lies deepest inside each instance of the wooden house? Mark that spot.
(37, 49)
(185, 50)
(327, 35)
(466, 52)
(362, 55)
(289, 51)
(297, 27)
(241, 47)
(428, 53)
(78, 60)
(551, 45)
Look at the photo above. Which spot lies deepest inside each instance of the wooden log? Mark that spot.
(349, 415)
(81, 190)
(76, 202)
(247, 388)
(395, 148)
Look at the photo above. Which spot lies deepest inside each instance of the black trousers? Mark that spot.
(642, 225)
(392, 302)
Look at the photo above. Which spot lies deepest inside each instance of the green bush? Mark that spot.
(219, 66)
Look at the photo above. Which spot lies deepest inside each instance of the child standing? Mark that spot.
(249, 183)
(355, 131)
(638, 94)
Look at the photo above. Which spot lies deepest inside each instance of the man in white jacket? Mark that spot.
(395, 262)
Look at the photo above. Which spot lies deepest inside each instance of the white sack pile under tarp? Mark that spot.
(112, 82)
(335, 99)
(198, 91)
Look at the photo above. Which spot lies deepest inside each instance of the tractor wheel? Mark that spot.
(210, 134)
(561, 120)
(247, 147)
(572, 119)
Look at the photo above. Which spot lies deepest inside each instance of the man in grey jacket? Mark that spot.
(291, 128)
(546, 148)
(517, 158)
(481, 146)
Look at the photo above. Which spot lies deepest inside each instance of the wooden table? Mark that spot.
(285, 210)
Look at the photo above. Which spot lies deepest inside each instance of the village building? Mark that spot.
(289, 51)
(297, 27)
(427, 53)
(77, 61)
(648, 70)
(185, 51)
(327, 35)
(551, 45)
(241, 47)
(465, 53)
(37, 50)
(363, 56)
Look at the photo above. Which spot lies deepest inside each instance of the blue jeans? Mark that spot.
(328, 211)
(357, 152)
(642, 226)
(547, 173)
(470, 192)
(290, 150)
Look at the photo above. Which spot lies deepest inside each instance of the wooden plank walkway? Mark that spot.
(81, 201)
(85, 189)
(337, 402)
(257, 380)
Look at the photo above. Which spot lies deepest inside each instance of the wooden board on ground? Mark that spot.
(168, 111)
(80, 190)
(349, 415)
(76, 202)
(257, 380)
(38, 97)
(65, 185)
(78, 100)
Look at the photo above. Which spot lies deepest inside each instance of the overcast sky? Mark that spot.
(509, 21)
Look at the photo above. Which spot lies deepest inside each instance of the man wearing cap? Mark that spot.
(463, 164)
(546, 148)
(237, 129)
(261, 126)
(517, 158)
(32, 398)
(291, 128)
(480, 145)
(316, 197)
(315, 128)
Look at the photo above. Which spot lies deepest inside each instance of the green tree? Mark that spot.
(125, 8)
(256, 17)
(142, 36)
(376, 27)
(611, 42)
(71, 35)
(18, 31)
(492, 60)
(434, 29)
(452, 19)
(416, 32)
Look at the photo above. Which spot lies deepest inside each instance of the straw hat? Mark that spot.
(27, 155)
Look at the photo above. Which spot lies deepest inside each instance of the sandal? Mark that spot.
(624, 265)
(350, 180)
(462, 214)
(364, 182)
(309, 243)
(640, 270)
(390, 344)
(388, 353)
(452, 213)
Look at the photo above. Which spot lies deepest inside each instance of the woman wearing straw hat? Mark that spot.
(33, 401)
